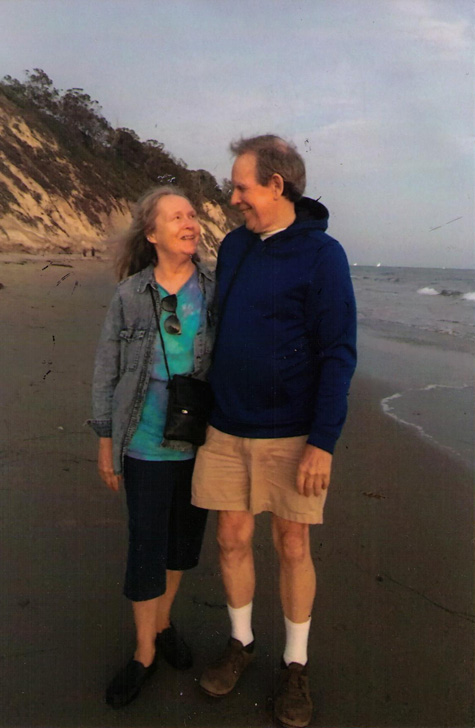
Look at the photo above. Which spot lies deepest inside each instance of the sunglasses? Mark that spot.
(171, 324)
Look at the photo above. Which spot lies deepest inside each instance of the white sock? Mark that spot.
(241, 623)
(296, 641)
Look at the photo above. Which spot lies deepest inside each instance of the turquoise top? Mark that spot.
(146, 441)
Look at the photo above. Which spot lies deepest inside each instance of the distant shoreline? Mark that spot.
(382, 268)
(101, 255)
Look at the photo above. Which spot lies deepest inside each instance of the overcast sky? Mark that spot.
(377, 94)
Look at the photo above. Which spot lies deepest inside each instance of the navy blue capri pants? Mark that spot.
(165, 530)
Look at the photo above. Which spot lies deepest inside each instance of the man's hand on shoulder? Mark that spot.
(314, 470)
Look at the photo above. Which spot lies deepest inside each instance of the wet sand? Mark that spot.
(392, 635)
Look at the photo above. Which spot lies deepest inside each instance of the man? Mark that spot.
(283, 361)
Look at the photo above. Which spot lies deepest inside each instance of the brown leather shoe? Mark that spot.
(221, 676)
(293, 705)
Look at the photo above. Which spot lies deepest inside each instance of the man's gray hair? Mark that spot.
(275, 155)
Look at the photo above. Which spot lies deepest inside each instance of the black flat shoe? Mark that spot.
(174, 649)
(127, 684)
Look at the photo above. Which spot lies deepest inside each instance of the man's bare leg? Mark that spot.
(235, 532)
(292, 701)
(297, 572)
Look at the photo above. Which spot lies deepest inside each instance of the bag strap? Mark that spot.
(160, 332)
(225, 300)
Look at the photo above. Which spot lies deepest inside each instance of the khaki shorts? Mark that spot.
(253, 474)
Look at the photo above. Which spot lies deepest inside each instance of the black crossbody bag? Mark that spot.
(190, 400)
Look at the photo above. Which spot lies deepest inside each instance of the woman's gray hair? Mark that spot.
(135, 252)
(275, 155)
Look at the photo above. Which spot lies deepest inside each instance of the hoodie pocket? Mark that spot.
(298, 375)
(260, 389)
(131, 341)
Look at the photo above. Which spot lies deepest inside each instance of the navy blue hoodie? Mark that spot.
(285, 352)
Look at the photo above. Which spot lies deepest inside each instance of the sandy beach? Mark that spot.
(392, 639)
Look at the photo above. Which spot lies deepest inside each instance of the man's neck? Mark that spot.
(285, 217)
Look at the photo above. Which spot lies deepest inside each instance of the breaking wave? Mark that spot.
(440, 413)
(428, 292)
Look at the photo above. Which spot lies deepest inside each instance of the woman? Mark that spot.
(129, 406)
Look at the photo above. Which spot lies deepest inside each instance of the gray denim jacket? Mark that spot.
(125, 355)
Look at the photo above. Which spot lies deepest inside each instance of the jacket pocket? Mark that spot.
(258, 388)
(131, 341)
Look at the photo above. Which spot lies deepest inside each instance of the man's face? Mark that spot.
(257, 203)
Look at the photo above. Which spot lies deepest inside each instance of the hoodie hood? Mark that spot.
(310, 215)
(307, 209)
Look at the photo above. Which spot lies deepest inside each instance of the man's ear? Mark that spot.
(277, 184)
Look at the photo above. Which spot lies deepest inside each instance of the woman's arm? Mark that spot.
(106, 376)
(105, 464)
(107, 369)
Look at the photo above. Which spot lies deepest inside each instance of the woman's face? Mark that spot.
(177, 230)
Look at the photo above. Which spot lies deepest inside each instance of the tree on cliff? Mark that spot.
(110, 164)
(37, 91)
(83, 114)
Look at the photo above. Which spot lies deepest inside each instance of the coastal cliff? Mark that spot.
(68, 179)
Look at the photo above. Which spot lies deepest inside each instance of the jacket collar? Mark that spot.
(309, 215)
(146, 277)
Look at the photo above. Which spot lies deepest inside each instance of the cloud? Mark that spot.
(347, 147)
(360, 147)
(448, 38)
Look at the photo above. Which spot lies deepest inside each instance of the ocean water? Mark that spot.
(427, 299)
(417, 334)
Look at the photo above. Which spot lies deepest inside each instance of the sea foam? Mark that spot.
(440, 413)
(428, 292)
(470, 296)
